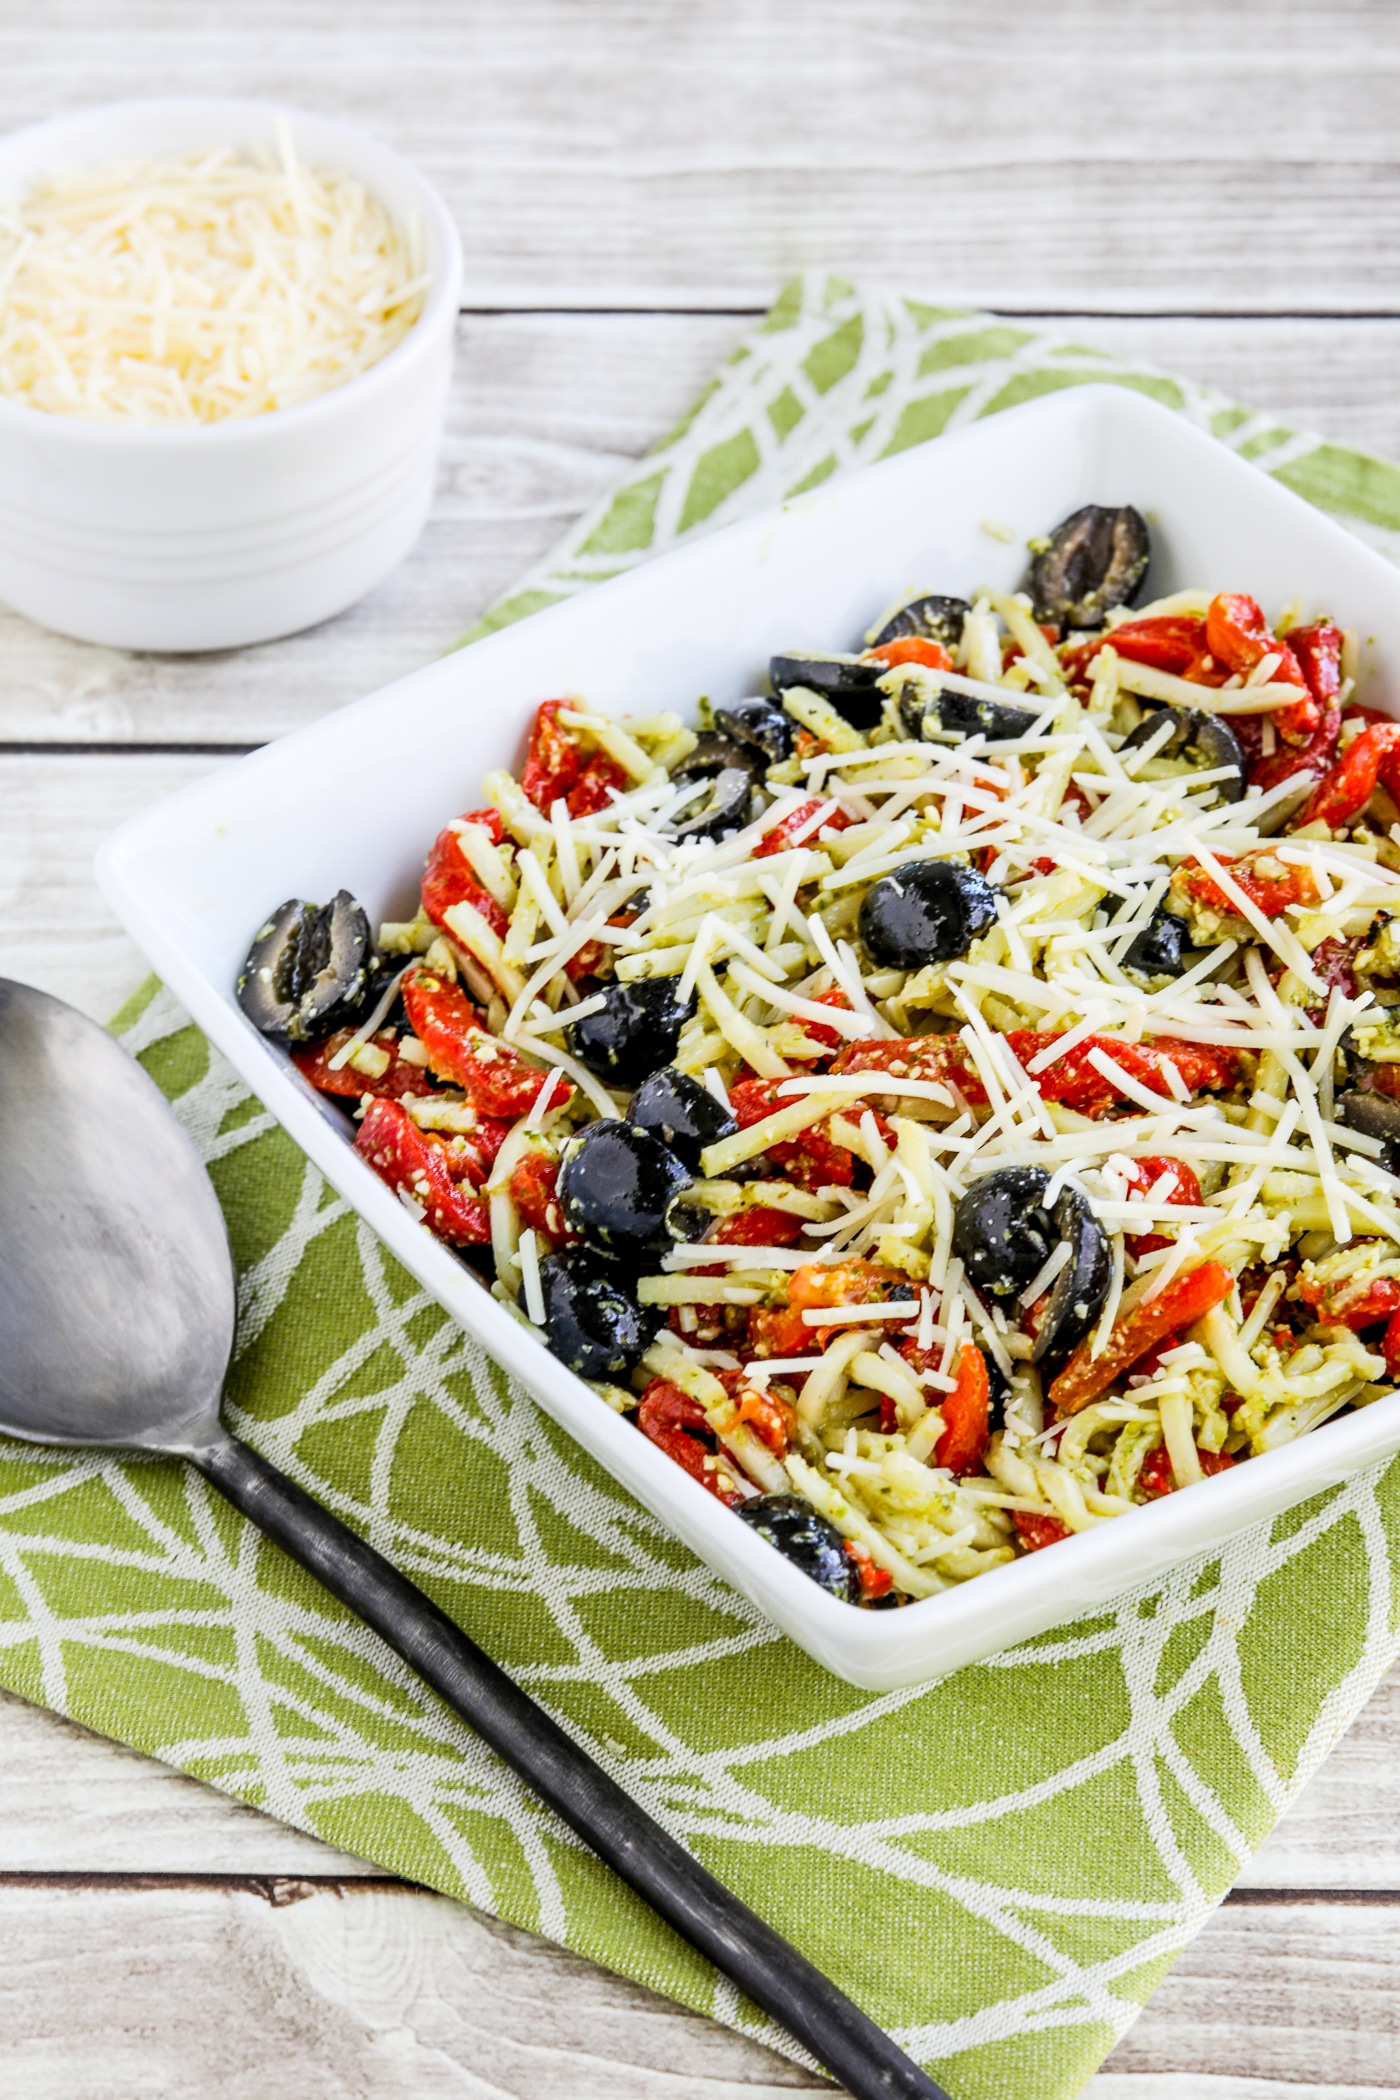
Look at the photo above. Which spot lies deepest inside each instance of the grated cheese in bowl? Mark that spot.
(199, 288)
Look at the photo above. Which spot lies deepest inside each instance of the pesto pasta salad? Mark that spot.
(946, 1100)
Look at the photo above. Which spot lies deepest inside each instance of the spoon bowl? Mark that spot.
(119, 1301)
(117, 1310)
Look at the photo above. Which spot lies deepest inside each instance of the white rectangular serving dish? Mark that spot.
(356, 800)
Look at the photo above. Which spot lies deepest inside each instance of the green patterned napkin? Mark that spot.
(1000, 1867)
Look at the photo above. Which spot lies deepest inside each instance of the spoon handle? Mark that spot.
(769, 1971)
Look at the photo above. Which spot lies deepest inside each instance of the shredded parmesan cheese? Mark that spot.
(199, 288)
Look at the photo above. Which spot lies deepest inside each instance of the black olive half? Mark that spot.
(1198, 743)
(1004, 1236)
(1095, 560)
(803, 1536)
(1158, 950)
(616, 1185)
(1001, 1235)
(726, 809)
(761, 726)
(1375, 1116)
(925, 912)
(931, 619)
(635, 1030)
(308, 969)
(1077, 1293)
(712, 755)
(998, 1392)
(961, 715)
(592, 1321)
(850, 683)
(682, 1112)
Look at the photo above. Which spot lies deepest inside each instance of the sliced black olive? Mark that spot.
(998, 1392)
(616, 1185)
(1158, 950)
(850, 683)
(1198, 743)
(803, 1536)
(712, 754)
(1077, 1294)
(1375, 1116)
(726, 809)
(762, 726)
(308, 969)
(1004, 1236)
(931, 619)
(961, 714)
(593, 1322)
(1095, 560)
(680, 1111)
(925, 912)
(633, 1032)
(1001, 1234)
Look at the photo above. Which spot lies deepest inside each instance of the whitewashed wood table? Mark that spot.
(1211, 186)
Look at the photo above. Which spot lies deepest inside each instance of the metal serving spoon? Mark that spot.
(116, 1323)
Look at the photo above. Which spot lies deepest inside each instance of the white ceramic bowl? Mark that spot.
(193, 877)
(227, 533)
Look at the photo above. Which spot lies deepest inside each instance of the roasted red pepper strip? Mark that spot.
(1269, 883)
(593, 788)
(780, 837)
(413, 1163)
(459, 1049)
(1371, 758)
(818, 1030)
(1288, 760)
(1074, 1080)
(401, 1077)
(1333, 962)
(449, 879)
(1352, 1301)
(874, 1581)
(1188, 1299)
(554, 760)
(1174, 642)
(491, 822)
(676, 1423)
(1157, 1477)
(967, 1416)
(911, 649)
(1239, 637)
(817, 1284)
(1185, 1188)
(533, 1190)
(940, 1058)
(1318, 651)
(812, 1159)
(771, 1418)
(760, 1226)
(1036, 1532)
(780, 1330)
(1390, 1347)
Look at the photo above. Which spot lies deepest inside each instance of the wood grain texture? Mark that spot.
(1232, 157)
(548, 410)
(387, 1992)
(56, 930)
